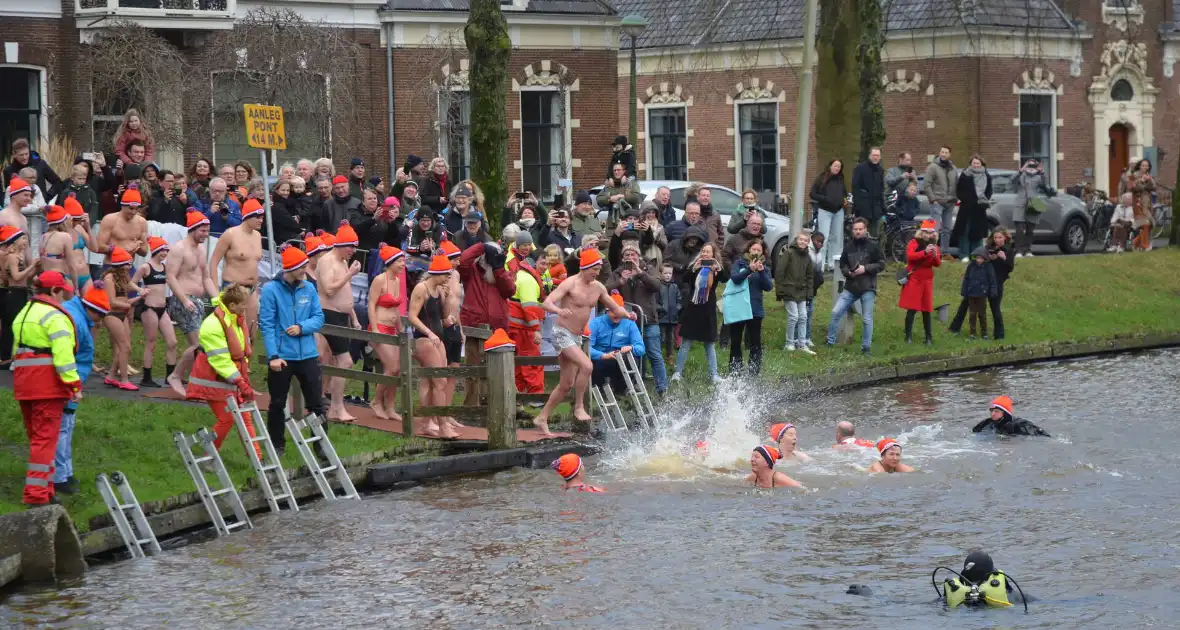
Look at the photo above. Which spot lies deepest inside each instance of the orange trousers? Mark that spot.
(225, 422)
(1143, 238)
(530, 379)
(42, 425)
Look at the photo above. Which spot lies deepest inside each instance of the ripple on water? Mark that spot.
(1085, 521)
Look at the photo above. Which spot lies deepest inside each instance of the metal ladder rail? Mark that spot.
(133, 537)
(261, 468)
(319, 473)
(204, 438)
(608, 408)
(636, 389)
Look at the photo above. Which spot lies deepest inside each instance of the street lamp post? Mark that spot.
(633, 26)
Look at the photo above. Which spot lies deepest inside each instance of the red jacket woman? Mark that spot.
(917, 295)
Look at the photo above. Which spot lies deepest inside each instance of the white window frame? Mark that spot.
(739, 167)
(443, 128)
(1054, 171)
(272, 159)
(566, 123)
(43, 114)
(651, 167)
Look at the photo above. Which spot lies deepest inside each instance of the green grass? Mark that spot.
(137, 439)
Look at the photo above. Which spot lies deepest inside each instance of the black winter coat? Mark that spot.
(868, 191)
(828, 194)
(285, 215)
(861, 252)
(979, 281)
(972, 216)
(431, 192)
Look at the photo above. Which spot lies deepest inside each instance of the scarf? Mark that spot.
(702, 285)
(980, 177)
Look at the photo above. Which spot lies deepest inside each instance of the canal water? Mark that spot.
(1085, 521)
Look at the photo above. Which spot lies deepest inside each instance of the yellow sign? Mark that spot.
(264, 127)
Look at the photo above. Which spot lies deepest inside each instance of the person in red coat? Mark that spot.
(917, 294)
(487, 285)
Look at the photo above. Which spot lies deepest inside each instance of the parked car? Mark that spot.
(1065, 224)
(726, 201)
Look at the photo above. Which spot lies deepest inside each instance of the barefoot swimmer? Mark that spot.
(890, 461)
(787, 438)
(569, 466)
(576, 297)
(762, 472)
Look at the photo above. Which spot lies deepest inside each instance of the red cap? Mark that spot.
(449, 249)
(293, 258)
(131, 197)
(74, 208)
(887, 443)
(339, 179)
(252, 208)
(346, 236)
(120, 257)
(97, 299)
(17, 185)
(156, 244)
(389, 254)
(54, 280)
(9, 234)
(56, 215)
(439, 265)
(589, 258)
(195, 219)
(499, 339)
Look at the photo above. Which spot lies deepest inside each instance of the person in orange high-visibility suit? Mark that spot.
(525, 316)
(222, 366)
(44, 377)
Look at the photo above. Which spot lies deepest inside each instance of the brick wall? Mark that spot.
(50, 44)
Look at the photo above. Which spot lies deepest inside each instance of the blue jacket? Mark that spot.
(219, 223)
(282, 306)
(759, 283)
(84, 356)
(607, 336)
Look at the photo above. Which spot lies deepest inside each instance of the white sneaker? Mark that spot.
(808, 351)
(790, 347)
(809, 344)
(675, 378)
(965, 260)
(1119, 250)
(1029, 254)
(717, 380)
(1019, 255)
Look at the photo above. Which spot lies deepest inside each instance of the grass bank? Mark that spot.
(137, 439)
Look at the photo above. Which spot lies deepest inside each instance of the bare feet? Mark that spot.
(542, 425)
(378, 410)
(393, 415)
(448, 432)
(176, 383)
(581, 415)
(431, 430)
(340, 415)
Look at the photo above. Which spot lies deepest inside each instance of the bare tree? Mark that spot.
(490, 46)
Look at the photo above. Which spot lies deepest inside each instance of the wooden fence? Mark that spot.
(498, 370)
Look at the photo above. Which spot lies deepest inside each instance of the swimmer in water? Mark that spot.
(762, 472)
(846, 437)
(1003, 422)
(890, 461)
(569, 466)
(787, 438)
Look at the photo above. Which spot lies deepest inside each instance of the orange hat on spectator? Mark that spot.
(9, 234)
(346, 236)
(769, 453)
(499, 339)
(155, 244)
(131, 197)
(17, 185)
(779, 430)
(439, 265)
(252, 208)
(929, 224)
(56, 215)
(119, 257)
(74, 208)
(568, 465)
(589, 258)
(449, 249)
(195, 219)
(887, 443)
(389, 254)
(339, 179)
(96, 298)
(293, 258)
(1003, 403)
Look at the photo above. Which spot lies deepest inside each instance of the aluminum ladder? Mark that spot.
(636, 389)
(137, 534)
(608, 408)
(313, 422)
(204, 439)
(261, 467)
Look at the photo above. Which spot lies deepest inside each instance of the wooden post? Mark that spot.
(405, 350)
(501, 371)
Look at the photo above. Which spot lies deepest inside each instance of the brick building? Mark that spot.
(1081, 84)
(561, 111)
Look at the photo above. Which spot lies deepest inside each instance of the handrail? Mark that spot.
(393, 340)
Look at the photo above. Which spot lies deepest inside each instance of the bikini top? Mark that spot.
(389, 300)
(81, 243)
(155, 277)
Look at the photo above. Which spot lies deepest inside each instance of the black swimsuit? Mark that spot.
(431, 315)
(155, 278)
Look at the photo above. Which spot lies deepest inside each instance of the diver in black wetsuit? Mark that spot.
(978, 570)
(1003, 422)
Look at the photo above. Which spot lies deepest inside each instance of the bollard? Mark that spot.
(501, 372)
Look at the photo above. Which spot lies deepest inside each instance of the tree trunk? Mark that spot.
(1174, 237)
(872, 41)
(490, 48)
(837, 101)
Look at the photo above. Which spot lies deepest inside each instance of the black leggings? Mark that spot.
(753, 336)
(279, 384)
(909, 323)
(15, 299)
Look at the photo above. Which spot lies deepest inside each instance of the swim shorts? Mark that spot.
(453, 341)
(187, 321)
(563, 339)
(338, 345)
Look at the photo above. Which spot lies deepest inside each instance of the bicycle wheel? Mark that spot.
(1163, 220)
(900, 240)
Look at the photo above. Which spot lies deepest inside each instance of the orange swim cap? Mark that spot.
(1003, 403)
(769, 453)
(885, 444)
(779, 430)
(568, 465)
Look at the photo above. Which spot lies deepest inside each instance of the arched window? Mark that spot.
(1122, 91)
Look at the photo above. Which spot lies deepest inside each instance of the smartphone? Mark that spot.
(559, 200)
(88, 156)
(522, 195)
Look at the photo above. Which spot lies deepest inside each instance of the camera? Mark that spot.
(522, 195)
(89, 156)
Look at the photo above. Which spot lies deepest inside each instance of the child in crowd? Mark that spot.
(668, 310)
(816, 252)
(1121, 222)
(908, 204)
(979, 283)
(794, 285)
